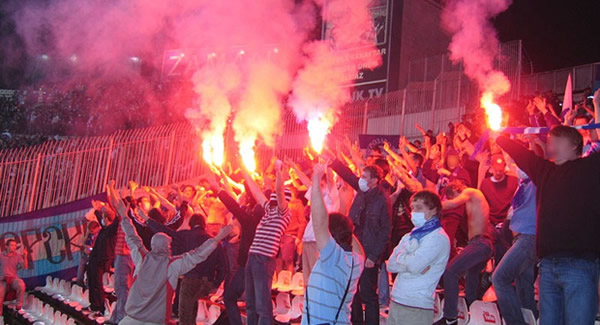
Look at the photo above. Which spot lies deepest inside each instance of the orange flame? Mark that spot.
(492, 110)
(213, 149)
(318, 128)
(248, 155)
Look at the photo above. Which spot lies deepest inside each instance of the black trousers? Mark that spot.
(95, 271)
(366, 294)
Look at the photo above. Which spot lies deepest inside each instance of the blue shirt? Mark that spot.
(327, 284)
(524, 213)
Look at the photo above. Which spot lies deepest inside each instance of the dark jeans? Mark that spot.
(124, 268)
(518, 265)
(232, 252)
(232, 293)
(96, 269)
(287, 253)
(190, 291)
(503, 242)
(568, 290)
(259, 278)
(367, 294)
(470, 262)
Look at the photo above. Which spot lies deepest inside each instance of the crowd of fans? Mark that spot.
(58, 111)
(437, 213)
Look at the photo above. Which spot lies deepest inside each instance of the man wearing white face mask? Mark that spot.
(420, 260)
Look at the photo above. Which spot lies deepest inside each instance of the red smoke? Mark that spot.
(257, 52)
(475, 43)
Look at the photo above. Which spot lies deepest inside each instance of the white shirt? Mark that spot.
(410, 259)
(332, 203)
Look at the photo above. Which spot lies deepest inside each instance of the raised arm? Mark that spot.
(256, 192)
(301, 175)
(189, 260)
(461, 199)
(135, 243)
(345, 173)
(402, 146)
(163, 200)
(528, 161)
(282, 202)
(320, 217)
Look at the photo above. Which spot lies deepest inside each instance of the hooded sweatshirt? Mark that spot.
(156, 273)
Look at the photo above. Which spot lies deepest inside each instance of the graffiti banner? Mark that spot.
(52, 238)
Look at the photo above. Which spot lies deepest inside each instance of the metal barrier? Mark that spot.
(584, 76)
(58, 172)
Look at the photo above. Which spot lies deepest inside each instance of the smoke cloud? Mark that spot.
(475, 42)
(318, 90)
(252, 54)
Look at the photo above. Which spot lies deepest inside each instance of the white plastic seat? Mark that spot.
(202, 314)
(218, 294)
(283, 307)
(108, 308)
(490, 295)
(47, 286)
(213, 314)
(48, 314)
(58, 318)
(437, 308)
(85, 299)
(108, 282)
(298, 284)
(297, 307)
(529, 317)
(284, 281)
(484, 313)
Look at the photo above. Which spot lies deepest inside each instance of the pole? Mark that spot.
(35, 181)
(433, 105)
(108, 160)
(365, 118)
(169, 160)
(403, 120)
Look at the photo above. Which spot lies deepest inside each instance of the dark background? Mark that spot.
(555, 34)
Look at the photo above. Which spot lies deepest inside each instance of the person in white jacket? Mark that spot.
(420, 260)
(156, 271)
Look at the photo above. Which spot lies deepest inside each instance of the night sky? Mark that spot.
(555, 34)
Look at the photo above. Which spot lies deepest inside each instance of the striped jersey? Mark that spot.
(269, 230)
(327, 284)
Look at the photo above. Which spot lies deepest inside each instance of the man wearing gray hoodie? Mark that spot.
(156, 271)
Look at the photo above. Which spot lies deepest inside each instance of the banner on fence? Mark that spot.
(53, 239)
(370, 141)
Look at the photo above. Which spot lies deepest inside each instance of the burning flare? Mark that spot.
(492, 111)
(248, 155)
(213, 150)
(318, 128)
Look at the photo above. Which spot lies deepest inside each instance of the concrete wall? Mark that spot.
(421, 34)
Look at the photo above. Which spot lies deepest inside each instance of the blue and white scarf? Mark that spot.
(429, 226)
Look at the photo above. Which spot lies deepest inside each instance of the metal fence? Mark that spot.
(58, 172)
(584, 76)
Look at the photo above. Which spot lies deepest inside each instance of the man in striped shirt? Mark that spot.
(261, 259)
